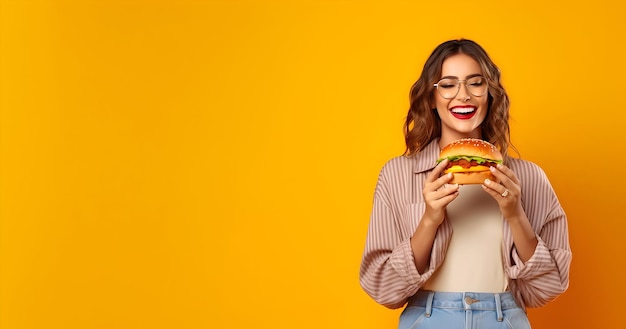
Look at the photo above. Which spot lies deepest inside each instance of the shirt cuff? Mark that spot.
(541, 259)
(403, 261)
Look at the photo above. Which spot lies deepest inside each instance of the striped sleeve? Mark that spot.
(545, 275)
(388, 273)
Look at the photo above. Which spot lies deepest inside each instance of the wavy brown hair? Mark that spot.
(423, 124)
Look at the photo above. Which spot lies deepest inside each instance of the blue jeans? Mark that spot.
(463, 310)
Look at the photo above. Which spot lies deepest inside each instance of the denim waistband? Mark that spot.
(468, 301)
(464, 300)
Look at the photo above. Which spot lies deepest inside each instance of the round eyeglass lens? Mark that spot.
(449, 88)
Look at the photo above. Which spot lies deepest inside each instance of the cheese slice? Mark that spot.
(470, 169)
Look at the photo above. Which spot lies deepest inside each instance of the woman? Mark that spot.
(514, 254)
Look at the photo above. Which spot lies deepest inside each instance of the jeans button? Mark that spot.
(469, 300)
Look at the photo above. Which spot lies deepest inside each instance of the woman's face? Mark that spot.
(461, 115)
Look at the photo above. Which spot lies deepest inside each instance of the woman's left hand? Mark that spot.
(507, 193)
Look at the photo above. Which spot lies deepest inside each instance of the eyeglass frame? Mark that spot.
(436, 85)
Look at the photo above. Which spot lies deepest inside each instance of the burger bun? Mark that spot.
(476, 177)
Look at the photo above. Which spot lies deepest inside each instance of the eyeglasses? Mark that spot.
(449, 87)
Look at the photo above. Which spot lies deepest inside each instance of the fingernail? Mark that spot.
(492, 169)
(499, 165)
(449, 175)
(487, 181)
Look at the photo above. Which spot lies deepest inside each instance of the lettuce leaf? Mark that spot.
(478, 160)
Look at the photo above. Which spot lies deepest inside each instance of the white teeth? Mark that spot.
(463, 110)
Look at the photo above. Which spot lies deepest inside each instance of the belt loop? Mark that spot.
(499, 308)
(429, 304)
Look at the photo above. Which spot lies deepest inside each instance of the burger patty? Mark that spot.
(466, 164)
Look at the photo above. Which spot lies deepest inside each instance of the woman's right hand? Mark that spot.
(438, 194)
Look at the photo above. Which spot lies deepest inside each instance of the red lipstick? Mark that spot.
(463, 112)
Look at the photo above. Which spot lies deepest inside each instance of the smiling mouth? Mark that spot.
(463, 113)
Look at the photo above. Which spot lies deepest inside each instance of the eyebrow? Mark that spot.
(467, 77)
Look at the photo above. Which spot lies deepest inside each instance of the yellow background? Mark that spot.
(211, 164)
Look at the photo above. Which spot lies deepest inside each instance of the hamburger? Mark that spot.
(469, 160)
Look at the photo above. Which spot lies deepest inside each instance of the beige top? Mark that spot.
(473, 262)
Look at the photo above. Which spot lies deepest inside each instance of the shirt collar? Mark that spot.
(427, 159)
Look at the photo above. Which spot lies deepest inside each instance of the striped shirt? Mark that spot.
(388, 273)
